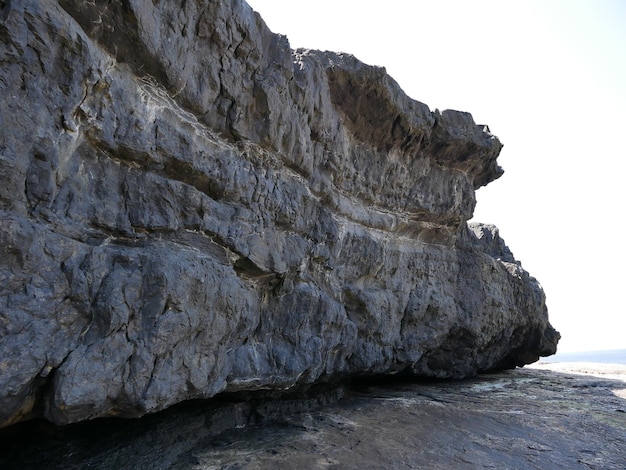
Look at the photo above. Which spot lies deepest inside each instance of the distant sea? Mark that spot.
(612, 356)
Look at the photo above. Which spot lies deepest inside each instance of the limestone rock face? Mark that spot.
(190, 207)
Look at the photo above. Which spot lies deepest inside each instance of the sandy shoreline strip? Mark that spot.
(596, 369)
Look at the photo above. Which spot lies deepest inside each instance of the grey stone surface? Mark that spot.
(190, 207)
(522, 419)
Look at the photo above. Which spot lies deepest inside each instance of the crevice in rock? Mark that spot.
(114, 26)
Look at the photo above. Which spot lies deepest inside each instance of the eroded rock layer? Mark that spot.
(190, 207)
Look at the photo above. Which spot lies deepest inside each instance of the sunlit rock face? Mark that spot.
(190, 207)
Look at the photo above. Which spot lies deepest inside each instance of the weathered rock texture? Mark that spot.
(190, 207)
(522, 419)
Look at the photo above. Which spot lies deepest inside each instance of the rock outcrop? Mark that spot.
(190, 207)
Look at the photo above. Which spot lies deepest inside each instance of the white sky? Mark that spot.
(549, 78)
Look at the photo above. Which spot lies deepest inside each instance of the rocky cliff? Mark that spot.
(190, 207)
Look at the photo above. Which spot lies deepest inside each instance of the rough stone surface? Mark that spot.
(522, 419)
(189, 207)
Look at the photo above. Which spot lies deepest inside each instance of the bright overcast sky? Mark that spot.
(549, 78)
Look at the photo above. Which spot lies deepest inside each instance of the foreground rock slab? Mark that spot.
(519, 419)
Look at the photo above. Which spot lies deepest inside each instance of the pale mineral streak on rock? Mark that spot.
(189, 207)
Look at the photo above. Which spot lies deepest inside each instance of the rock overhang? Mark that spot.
(191, 207)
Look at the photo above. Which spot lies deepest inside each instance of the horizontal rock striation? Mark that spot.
(189, 207)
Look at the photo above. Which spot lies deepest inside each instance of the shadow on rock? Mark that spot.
(521, 419)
